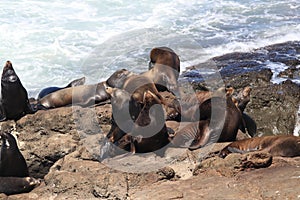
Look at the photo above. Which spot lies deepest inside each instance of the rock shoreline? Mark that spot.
(61, 145)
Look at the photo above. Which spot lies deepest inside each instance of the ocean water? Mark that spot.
(51, 43)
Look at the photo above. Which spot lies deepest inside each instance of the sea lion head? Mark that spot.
(165, 56)
(9, 74)
(117, 79)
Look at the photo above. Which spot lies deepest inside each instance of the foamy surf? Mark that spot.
(52, 43)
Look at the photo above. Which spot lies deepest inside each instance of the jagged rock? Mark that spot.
(273, 106)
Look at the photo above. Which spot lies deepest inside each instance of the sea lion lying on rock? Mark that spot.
(83, 95)
(277, 145)
(49, 90)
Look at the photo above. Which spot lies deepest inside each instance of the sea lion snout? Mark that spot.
(8, 64)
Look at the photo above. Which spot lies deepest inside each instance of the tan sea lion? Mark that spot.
(279, 145)
(134, 84)
(117, 79)
(83, 95)
(14, 97)
(49, 90)
(165, 70)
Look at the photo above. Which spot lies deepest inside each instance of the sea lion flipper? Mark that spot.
(195, 145)
(76, 82)
(185, 136)
(2, 113)
(250, 125)
(2, 117)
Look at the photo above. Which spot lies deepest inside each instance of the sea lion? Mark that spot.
(49, 90)
(165, 70)
(121, 117)
(278, 145)
(83, 95)
(17, 185)
(136, 85)
(219, 121)
(12, 162)
(14, 102)
(147, 133)
(164, 56)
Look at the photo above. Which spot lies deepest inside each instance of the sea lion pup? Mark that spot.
(17, 185)
(14, 102)
(12, 162)
(165, 70)
(49, 90)
(278, 145)
(82, 95)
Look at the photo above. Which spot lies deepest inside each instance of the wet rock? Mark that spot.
(273, 105)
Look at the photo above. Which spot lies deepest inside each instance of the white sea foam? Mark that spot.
(52, 43)
(297, 125)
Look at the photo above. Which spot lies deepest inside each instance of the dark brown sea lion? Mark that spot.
(165, 70)
(219, 121)
(14, 97)
(279, 145)
(223, 114)
(12, 162)
(147, 133)
(17, 185)
(83, 95)
(122, 121)
(49, 90)
(164, 56)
